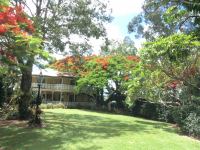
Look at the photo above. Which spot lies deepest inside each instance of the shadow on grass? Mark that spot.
(161, 125)
(64, 131)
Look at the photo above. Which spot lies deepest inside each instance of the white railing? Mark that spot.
(55, 87)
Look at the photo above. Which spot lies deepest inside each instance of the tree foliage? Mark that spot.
(127, 47)
(19, 43)
(110, 73)
(165, 17)
(60, 19)
(166, 64)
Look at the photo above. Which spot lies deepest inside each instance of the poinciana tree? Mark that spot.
(71, 64)
(19, 45)
(110, 73)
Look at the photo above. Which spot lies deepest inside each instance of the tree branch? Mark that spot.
(186, 19)
(25, 3)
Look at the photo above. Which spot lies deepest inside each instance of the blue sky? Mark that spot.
(122, 11)
(121, 22)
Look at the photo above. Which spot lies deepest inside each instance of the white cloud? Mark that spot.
(114, 32)
(139, 42)
(125, 7)
(96, 45)
(58, 56)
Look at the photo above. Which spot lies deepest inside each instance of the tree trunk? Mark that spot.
(97, 98)
(102, 97)
(2, 92)
(26, 95)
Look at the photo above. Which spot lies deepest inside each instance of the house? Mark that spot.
(57, 87)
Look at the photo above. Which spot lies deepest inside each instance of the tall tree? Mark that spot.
(18, 47)
(166, 64)
(110, 73)
(165, 17)
(56, 21)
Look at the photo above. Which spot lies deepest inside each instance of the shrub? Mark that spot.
(12, 115)
(49, 106)
(180, 113)
(9, 112)
(52, 106)
(59, 105)
(165, 113)
(187, 116)
(146, 109)
(153, 110)
(191, 125)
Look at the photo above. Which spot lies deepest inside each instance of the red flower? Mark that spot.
(2, 16)
(105, 66)
(133, 58)
(19, 9)
(30, 27)
(3, 29)
(20, 18)
(126, 78)
(10, 57)
(15, 19)
(16, 30)
(173, 84)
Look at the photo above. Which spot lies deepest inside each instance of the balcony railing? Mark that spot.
(54, 87)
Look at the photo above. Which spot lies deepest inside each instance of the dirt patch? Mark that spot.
(17, 123)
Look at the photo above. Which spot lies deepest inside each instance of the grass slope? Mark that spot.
(73, 129)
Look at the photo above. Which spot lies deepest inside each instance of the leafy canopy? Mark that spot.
(166, 64)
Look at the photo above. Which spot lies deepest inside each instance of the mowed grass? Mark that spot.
(71, 129)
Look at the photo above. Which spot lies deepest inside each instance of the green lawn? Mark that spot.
(71, 129)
